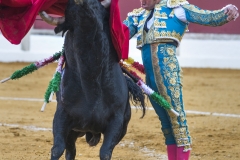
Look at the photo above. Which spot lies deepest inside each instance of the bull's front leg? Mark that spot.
(60, 129)
(113, 134)
(70, 145)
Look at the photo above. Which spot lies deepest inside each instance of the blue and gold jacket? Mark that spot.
(166, 25)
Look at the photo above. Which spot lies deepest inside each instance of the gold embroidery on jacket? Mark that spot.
(141, 23)
(168, 34)
(171, 14)
(161, 24)
(140, 29)
(206, 17)
(135, 21)
(162, 15)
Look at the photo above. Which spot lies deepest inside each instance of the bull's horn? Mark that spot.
(78, 2)
(106, 3)
(51, 20)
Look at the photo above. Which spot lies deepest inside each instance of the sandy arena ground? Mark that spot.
(205, 90)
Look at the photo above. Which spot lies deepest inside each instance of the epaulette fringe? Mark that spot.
(137, 12)
(176, 3)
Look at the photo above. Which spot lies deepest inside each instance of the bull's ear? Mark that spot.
(61, 28)
(106, 3)
(58, 29)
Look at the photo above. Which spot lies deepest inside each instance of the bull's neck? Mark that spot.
(92, 54)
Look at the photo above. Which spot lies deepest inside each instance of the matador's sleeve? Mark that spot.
(204, 17)
(132, 22)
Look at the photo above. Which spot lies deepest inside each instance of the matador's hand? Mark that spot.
(231, 11)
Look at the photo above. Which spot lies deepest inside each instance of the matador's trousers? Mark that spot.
(163, 76)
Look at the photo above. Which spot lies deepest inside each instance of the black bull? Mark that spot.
(94, 93)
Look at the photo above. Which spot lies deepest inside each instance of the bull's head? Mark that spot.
(59, 20)
(105, 3)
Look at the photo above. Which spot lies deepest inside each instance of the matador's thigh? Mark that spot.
(163, 75)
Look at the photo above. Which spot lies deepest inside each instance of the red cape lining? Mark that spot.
(18, 16)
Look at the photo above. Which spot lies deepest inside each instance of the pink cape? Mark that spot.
(18, 16)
